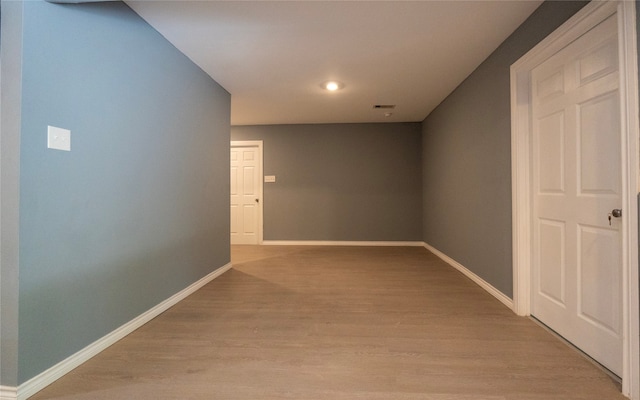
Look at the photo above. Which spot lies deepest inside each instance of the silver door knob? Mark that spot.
(616, 212)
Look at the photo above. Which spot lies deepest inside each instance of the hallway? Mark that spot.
(338, 323)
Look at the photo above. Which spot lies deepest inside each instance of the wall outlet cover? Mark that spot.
(58, 138)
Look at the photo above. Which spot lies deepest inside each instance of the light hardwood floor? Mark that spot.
(338, 323)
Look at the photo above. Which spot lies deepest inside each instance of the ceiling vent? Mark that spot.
(384, 106)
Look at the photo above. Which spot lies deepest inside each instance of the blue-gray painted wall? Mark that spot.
(138, 210)
(347, 182)
(10, 95)
(466, 158)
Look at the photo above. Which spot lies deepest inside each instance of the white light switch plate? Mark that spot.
(58, 138)
(269, 178)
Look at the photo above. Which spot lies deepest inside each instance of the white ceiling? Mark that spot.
(272, 55)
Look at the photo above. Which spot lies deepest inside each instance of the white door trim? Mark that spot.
(591, 15)
(257, 144)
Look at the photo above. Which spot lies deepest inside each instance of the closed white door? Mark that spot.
(577, 183)
(246, 191)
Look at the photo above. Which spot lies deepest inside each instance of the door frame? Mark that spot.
(258, 145)
(585, 19)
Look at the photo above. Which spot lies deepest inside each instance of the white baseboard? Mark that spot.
(337, 243)
(54, 373)
(504, 299)
(42, 380)
(8, 393)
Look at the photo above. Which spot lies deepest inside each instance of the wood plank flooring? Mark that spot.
(338, 323)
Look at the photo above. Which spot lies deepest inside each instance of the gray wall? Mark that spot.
(340, 181)
(466, 158)
(10, 67)
(138, 210)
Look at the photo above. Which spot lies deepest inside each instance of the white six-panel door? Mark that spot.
(246, 191)
(577, 182)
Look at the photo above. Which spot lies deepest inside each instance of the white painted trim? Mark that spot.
(338, 243)
(629, 99)
(592, 14)
(8, 393)
(40, 381)
(504, 299)
(259, 145)
(576, 26)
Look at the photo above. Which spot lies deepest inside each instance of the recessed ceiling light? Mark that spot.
(332, 86)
